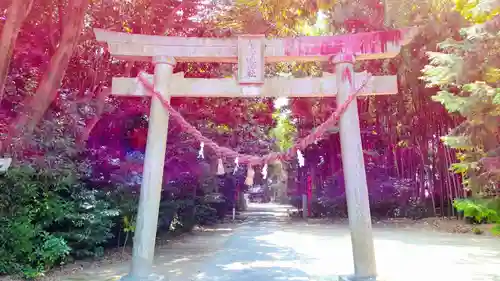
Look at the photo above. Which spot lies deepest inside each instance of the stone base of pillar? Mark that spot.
(151, 277)
(354, 278)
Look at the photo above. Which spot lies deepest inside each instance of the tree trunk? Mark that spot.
(51, 80)
(18, 11)
(101, 102)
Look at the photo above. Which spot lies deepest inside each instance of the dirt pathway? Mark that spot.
(177, 260)
(271, 248)
(268, 246)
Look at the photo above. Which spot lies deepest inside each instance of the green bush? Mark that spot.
(88, 223)
(185, 214)
(27, 249)
(487, 210)
(181, 215)
(46, 218)
(205, 214)
(481, 210)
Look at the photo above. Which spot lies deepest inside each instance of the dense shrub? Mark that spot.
(45, 218)
(206, 214)
(88, 223)
(219, 203)
(481, 210)
(182, 215)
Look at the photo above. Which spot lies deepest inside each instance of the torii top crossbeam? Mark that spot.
(274, 87)
(365, 46)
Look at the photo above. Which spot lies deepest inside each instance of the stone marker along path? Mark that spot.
(269, 247)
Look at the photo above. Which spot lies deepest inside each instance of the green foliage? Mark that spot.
(27, 249)
(88, 222)
(284, 132)
(184, 214)
(128, 224)
(205, 214)
(487, 210)
(478, 11)
(496, 229)
(481, 210)
(466, 72)
(27, 208)
(278, 18)
(45, 218)
(496, 99)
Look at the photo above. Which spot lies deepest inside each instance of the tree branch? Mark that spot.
(16, 15)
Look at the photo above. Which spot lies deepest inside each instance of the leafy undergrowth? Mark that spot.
(481, 211)
(111, 257)
(49, 219)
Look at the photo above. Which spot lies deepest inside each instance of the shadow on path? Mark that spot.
(247, 255)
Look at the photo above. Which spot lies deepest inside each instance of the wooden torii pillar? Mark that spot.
(251, 52)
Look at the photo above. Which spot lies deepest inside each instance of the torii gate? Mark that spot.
(251, 52)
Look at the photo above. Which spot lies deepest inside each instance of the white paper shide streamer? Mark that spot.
(264, 171)
(220, 167)
(236, 165)
(201, 153)
(300, 158)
